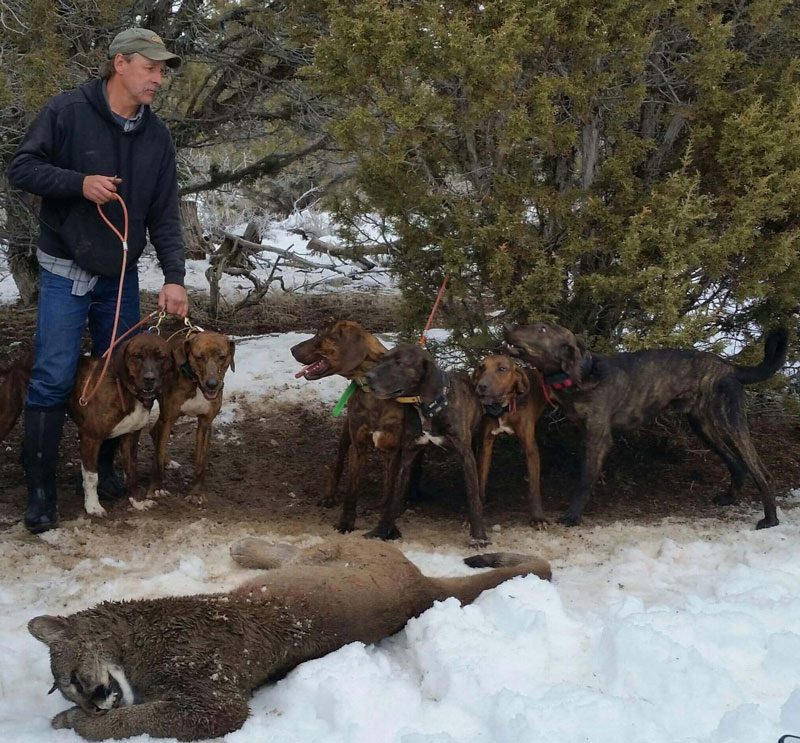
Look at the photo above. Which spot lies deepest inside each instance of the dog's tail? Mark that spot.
(775, 349)
(506, 565)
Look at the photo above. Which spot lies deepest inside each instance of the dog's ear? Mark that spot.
(570, 355)
(119, 357)
(522, 384)
(180, 353)
(476, 374)
(352, 350)
(231, 351)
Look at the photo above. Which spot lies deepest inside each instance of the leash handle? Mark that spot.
(123, 238)
(433, 312)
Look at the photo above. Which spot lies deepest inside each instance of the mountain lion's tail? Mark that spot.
(774, 357)
(506, 565)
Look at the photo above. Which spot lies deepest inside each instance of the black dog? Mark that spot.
(623, 391)
(443, 410)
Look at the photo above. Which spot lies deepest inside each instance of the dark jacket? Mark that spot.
(76, 135)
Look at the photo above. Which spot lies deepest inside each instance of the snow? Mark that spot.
(672, 632)
(640, 637)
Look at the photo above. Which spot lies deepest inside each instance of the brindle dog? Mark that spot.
(602, 392)
(346, 348)
(444, 411)
(512, 400)
(201, 361)
(120, 407)
(15, 375)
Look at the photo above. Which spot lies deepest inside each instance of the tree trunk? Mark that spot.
(22, 231)
(194, 242)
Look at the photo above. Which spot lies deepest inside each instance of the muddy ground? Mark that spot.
(270, 468)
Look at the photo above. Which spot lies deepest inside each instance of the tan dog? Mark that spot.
(15, 377)
(201, 361)
(345, 348)
(512, 400)
(120, 407)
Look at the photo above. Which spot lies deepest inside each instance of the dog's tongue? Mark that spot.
(309, 368)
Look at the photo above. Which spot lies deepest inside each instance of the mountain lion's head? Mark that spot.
(84, 668)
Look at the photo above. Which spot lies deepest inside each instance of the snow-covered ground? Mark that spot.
(675, 632)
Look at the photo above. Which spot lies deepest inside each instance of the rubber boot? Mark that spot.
(110, 486)
(40, 443)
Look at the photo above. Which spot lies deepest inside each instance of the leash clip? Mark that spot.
(157, 327)
(192, 328)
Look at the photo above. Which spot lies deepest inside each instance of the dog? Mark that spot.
(512, 400)
(444, 410)
(201, 360)
(120, 407)
(602, 392)
(344, 347)
(16, 374)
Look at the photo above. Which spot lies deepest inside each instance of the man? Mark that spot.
(85, 146)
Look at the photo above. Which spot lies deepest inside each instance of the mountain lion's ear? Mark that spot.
(47, 629)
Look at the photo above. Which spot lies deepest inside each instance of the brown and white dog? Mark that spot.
(120, 407)
(512, 400)
(441, 408)
(201, 361)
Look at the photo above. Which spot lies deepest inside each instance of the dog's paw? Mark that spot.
(345, 527)
(196, 498)
(329, 501)
(478, 542)
(569, 519)
(142, 505)
(66, 720)
(540, 523)
(95, 509)
(158, 493)
(258, 553)
(383, 533)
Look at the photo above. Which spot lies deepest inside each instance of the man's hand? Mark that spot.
(173, 299)
(100, 188)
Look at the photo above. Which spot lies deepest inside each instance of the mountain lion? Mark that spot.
(184, 666)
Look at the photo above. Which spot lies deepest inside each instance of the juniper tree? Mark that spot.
(627, 168)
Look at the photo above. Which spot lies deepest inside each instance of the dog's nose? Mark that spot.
(212, 384)
(482, 387)
(370, 377)
(149, 378)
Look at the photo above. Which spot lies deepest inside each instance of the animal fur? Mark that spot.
(346, 348)
(184, 667)
(626, 390)
(14, 378)
(195, 389)
(503, 385)
(410, 371)
(120, 407)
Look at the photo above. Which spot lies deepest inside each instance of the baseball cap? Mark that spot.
(145, 42)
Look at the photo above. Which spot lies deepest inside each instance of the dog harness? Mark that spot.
(428, 410)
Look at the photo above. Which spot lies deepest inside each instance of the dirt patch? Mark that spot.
(271, 465)
(270, 468)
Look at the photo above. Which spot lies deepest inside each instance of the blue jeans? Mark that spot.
(59, 327)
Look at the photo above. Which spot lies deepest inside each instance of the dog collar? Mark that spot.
(431, 408)
(558, 381)
(186, 368)
(495, 409)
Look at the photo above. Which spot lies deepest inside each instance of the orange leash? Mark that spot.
(84, 398)
(433, 312)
